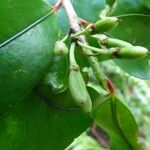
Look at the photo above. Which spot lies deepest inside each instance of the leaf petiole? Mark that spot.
(98, 50)
(84, 31)
(65, 38)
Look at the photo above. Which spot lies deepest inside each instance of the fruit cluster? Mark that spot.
(114, 48)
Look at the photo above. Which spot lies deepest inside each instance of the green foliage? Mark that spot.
(32, 124)
(16, 15)
(115, 118)
(46, 116)
(24, 60)
(134, 28)
(128, 7)
(95, 6)
(135, 93)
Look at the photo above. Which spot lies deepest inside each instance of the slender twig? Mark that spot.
(74, 24)
(87, 30)
(72, 58)
(84, 22)
(65, 38)
(101, 51)
(57, 5)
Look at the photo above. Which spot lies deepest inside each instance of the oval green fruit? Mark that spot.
(111, 42)
(133, 52)
(105, 24)
(60, 48)
(78, 90)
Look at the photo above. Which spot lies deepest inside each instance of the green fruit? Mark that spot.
(132, 52)
(105, 24)
(60, 48)
(117, 43)
(78, 90)
(111, 42)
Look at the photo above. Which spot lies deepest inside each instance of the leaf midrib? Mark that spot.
(116, 122)
(26, 29)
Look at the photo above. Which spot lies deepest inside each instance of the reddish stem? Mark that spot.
(57, 6)
(84, 22)
(111, 87)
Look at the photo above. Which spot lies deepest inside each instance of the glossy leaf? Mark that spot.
(128, 6)
(33, 124)
(137, 31)
(24, 59)
(133, 28)
(116, 119)
(88, 9)
(16, 15)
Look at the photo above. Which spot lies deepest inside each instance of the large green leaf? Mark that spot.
(33, 124)
(116, 119)
(16, 15)
(25, 58)
(25, 55)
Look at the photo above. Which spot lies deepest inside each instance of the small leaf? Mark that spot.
(116, 119)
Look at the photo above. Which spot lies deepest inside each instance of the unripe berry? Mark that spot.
(78, 90)
(132, 52)
(111, 42)
(60, 48)
(105, 24)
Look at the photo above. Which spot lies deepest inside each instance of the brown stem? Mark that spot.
(57, 5)
(84, 22)
(72, 16)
